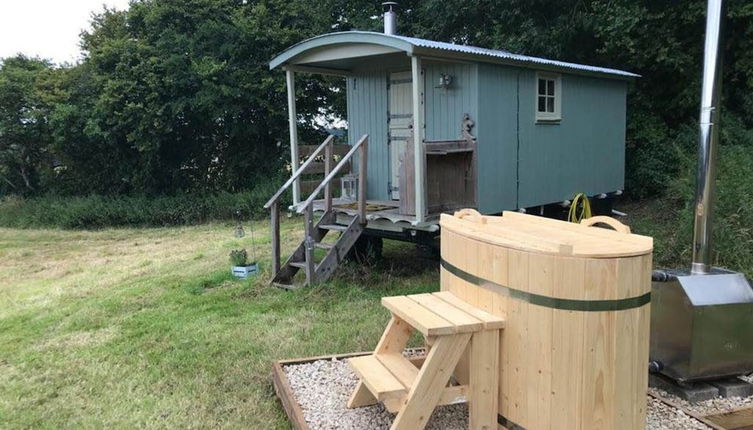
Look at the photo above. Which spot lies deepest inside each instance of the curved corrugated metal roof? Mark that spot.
(413, 45)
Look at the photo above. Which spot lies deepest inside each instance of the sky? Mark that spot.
(47, 28)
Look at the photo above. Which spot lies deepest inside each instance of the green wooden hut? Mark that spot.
(452, 126)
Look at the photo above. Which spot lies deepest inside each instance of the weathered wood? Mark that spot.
(308, 242)
(327, 170)
(317, 167)
(297, 174)
(307, 150)
(285, 393)
(275, 218)
(287, 271)
(362, 180)
(308, 186)
(338, 251)
(675, 405)
(293, 128)
(287, 398)
(451, 178)
(335, 171)
(737, 419)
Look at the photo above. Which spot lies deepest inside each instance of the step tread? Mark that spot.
(338, 227)
(400, 367)
(323, 245)
(298, 264)
(378, 379)
(422, 319)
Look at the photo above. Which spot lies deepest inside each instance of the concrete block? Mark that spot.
(733, 387)
(693, 392)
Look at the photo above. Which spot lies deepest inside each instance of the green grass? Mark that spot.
(93, 212)
(124, 328)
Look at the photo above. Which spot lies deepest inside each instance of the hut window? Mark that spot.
(548, 97)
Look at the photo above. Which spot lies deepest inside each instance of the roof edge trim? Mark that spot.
(340, 38)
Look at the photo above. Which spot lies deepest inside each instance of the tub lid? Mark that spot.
(549, 236)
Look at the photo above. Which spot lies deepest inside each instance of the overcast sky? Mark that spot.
(47, 28)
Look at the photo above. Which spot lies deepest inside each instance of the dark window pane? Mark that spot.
(550, 104)
(542, 87)
(542, 104)
(550, 88)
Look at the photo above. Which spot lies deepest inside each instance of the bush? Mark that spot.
(238, 257)
(670, 219)
(115, 211)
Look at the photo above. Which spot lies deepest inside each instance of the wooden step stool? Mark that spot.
(453, 329)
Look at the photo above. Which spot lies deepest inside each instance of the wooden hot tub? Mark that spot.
(574, 353)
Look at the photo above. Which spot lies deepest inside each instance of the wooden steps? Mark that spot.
(455, 329)
(303, 257)
(378, 378)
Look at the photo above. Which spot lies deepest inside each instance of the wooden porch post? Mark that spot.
(293, 124)
(418, 141)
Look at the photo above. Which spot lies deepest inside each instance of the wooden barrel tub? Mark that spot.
(574, 352)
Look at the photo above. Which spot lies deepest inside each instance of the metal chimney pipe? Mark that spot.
(390, 17)
(708, 140)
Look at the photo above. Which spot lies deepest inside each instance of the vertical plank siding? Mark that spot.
(585, 152)
(497, 133)
(445, 107)
(521, 163)
(367, 114)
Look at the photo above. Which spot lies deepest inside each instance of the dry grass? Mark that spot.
(145, 328)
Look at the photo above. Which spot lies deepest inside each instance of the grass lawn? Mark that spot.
(125, 328)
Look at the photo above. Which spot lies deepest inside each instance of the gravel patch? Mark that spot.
(322, 389)
(661, 416)
(708, 407)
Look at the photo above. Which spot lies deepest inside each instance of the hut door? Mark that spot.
(401, 119)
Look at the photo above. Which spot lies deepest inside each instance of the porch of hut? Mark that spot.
(410, 180)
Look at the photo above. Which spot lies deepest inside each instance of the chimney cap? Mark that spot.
(390, 17)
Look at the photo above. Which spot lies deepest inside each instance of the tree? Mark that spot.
(176, 95)
(28, 92)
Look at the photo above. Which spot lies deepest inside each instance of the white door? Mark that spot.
(401, 119)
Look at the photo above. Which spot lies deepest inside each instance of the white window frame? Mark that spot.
(548, 117)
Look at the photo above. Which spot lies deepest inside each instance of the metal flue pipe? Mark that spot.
(708, 140)
(390, 17)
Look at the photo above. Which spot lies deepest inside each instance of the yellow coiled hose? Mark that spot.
(580, 208)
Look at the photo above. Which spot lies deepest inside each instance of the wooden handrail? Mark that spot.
(361, 142)
(300, 171)
(308, 205)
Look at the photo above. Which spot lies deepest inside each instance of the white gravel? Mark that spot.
(322, 389)
(708, 407)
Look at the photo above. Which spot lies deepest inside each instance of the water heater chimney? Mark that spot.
(390, 17)
(708, 139)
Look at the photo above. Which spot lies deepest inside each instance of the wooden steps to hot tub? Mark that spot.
(454, 330)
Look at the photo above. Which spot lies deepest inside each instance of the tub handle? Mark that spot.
(611, 222)
(471, 214)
